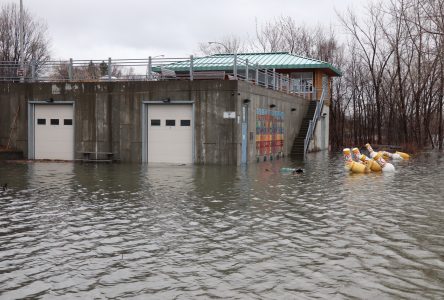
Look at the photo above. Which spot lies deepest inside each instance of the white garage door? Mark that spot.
(54, 131)
(170, 133)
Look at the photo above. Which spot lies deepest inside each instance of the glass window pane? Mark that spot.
(170, 122)
(54, 121)
(67, 122)
(41, 121)
(155, 122)
(185, 122)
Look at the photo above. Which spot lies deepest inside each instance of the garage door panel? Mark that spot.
(170, 144)
(54, 132)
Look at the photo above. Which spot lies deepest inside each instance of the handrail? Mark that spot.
(148, 69)
(312, 124)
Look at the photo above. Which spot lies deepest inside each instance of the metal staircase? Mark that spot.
(298, 148)
(302, 140)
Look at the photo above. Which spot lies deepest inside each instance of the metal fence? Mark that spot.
(152, 69)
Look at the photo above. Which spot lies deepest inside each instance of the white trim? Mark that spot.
(31, 127)
(144, 122)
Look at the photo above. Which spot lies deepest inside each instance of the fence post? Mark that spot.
(110, 71)
(70, 69)
(235, 66)
(257, 74)
(288, 83)
(266, 78)
(191, 67)
(274, 79)
(246, 70)
(150, 68)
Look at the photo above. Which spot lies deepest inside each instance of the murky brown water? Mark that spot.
(189, 232)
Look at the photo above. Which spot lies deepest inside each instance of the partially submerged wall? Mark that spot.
(108, 115)
(320, 138)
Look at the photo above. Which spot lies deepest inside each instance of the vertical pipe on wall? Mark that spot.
(30, 131)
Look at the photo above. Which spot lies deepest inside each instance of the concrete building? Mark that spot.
(204, 119)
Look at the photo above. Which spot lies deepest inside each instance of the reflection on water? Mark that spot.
(186, 232)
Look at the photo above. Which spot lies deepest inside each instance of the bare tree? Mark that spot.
(374, 52)
(36, 42)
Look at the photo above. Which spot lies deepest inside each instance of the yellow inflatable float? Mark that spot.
(370, 150)
(370, 163)
(385, 166)
(398, 155)
(353, 166)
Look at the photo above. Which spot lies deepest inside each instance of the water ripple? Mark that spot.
(160, 232)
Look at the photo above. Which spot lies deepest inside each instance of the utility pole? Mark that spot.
(21, 71)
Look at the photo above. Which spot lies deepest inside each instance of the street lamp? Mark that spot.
(149, 70)
(229, 52)
(22, 43)
(223, 45)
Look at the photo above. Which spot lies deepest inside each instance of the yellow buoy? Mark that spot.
(354, 167)
(386, 155)
(385, 166)
(356, 153)
(403, 155)
(370, 150)
(374, 166)
(371, 164)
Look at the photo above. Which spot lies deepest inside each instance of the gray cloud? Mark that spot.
(137, 28)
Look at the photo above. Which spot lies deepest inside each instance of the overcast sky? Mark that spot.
(97, 29)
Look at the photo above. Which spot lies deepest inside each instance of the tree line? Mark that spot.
(392, 60)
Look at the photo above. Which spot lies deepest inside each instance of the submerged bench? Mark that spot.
(97, 156)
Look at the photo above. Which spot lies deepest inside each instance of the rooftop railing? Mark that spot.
(153, 69)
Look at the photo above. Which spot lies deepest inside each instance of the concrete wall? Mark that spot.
(321, 134)
(108, 115)
(263, 98)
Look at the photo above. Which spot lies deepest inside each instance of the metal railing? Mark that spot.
(313, 122)
(152, 69)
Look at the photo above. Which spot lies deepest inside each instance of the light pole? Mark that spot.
(223, 45)
(149, 70)
(228, 52)
(21, 72)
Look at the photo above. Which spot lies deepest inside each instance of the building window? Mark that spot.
(170, 122)
(302, 81)
(185, 122)
(67, 122)
(41, 121)
(54, 121)
(155, 122)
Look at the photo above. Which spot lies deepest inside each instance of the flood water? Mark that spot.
(196, 232)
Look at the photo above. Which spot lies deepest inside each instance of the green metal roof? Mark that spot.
(275, 60)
